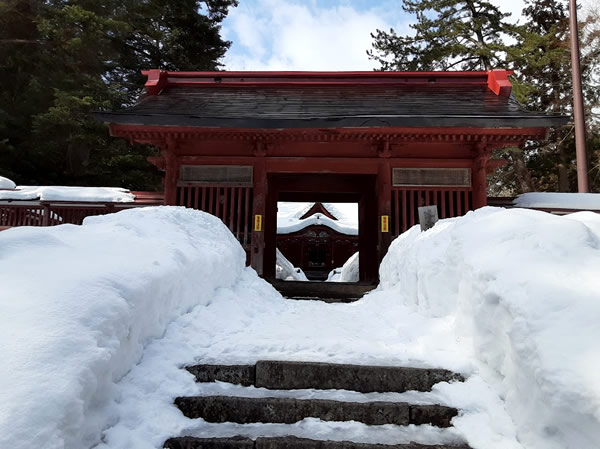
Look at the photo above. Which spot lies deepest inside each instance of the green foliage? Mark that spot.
(60, 60)
(448, 35)
(468, 35)
(543, 82)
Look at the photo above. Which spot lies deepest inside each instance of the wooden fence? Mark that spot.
(231, 203)
(451, 202)
(51, 213)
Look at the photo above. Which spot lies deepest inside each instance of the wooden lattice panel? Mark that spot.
(431, 177)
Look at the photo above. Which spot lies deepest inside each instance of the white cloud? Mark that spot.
(514, 7)
(287, 35)
(301, 35)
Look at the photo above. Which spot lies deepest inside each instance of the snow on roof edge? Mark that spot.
(556, 200)
(69, 193)
(317, 219)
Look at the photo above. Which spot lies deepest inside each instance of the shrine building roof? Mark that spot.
(296, 100)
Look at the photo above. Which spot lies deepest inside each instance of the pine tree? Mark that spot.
(449, 35)
(62, 59)
(469, 35)
(543, 82)
(168, 35)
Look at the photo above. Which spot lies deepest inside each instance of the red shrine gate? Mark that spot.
(235, 143)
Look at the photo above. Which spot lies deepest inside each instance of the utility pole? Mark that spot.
(580, 151)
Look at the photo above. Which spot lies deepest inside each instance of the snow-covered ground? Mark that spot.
(96, 342)
(78, 305)
(524, 287)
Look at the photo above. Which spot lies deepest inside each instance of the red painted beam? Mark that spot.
(309, 82)
(156, 78)
(348, 165)
(157, 132)
(325, 74)
(494, 164)
(496, 80)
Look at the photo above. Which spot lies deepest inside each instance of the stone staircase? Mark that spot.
(281, 375)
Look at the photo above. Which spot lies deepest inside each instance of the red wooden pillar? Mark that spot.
(384, 207)
(171, 172)
(258, 215)
(478, 179)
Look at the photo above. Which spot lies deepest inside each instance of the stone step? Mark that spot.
(245, 410)
(279, 375)
(322, 291)
(287, 442)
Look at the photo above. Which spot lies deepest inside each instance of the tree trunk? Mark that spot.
(483, 60)
(563, 170)
(521, 171)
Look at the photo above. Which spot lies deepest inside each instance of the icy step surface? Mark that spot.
(283, 375)
(317, 429)
(287, 442)
(412, 397)
(289, 410)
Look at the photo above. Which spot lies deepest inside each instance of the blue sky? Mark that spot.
(313, 34)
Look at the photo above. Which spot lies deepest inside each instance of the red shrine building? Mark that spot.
(317, 240)
(235, 143)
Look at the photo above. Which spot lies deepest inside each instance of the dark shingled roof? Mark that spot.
(330, 106)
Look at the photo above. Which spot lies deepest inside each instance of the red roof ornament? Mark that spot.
(498, 82)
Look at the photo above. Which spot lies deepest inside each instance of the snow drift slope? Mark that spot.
(525, 287)
(78, 304)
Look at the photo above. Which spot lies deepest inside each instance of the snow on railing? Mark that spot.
(51, 213)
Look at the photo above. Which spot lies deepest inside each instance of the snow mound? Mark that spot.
(64, 193)
(348, 272)
(284, 269)
(80, 303)
(6, 183)
(552, 200)
(524, 287)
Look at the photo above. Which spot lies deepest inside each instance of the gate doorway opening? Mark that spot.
(316, 240)
(324, 188)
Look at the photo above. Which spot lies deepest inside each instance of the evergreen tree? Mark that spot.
(168, 35)
(468, 35)
(62, 59)
(543, 82)
(449, 35)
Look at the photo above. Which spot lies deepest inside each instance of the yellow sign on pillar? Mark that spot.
(385, 223)
(258, 223)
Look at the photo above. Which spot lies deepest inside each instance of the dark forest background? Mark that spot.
(61, 60)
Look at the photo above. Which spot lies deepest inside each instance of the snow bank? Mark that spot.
(284, 269)
(551, 200)
(524, 286)
(79, 303)
(62, 193)
(6, 183)
(349, 272)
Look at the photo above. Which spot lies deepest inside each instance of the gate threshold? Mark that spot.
(323, 291)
